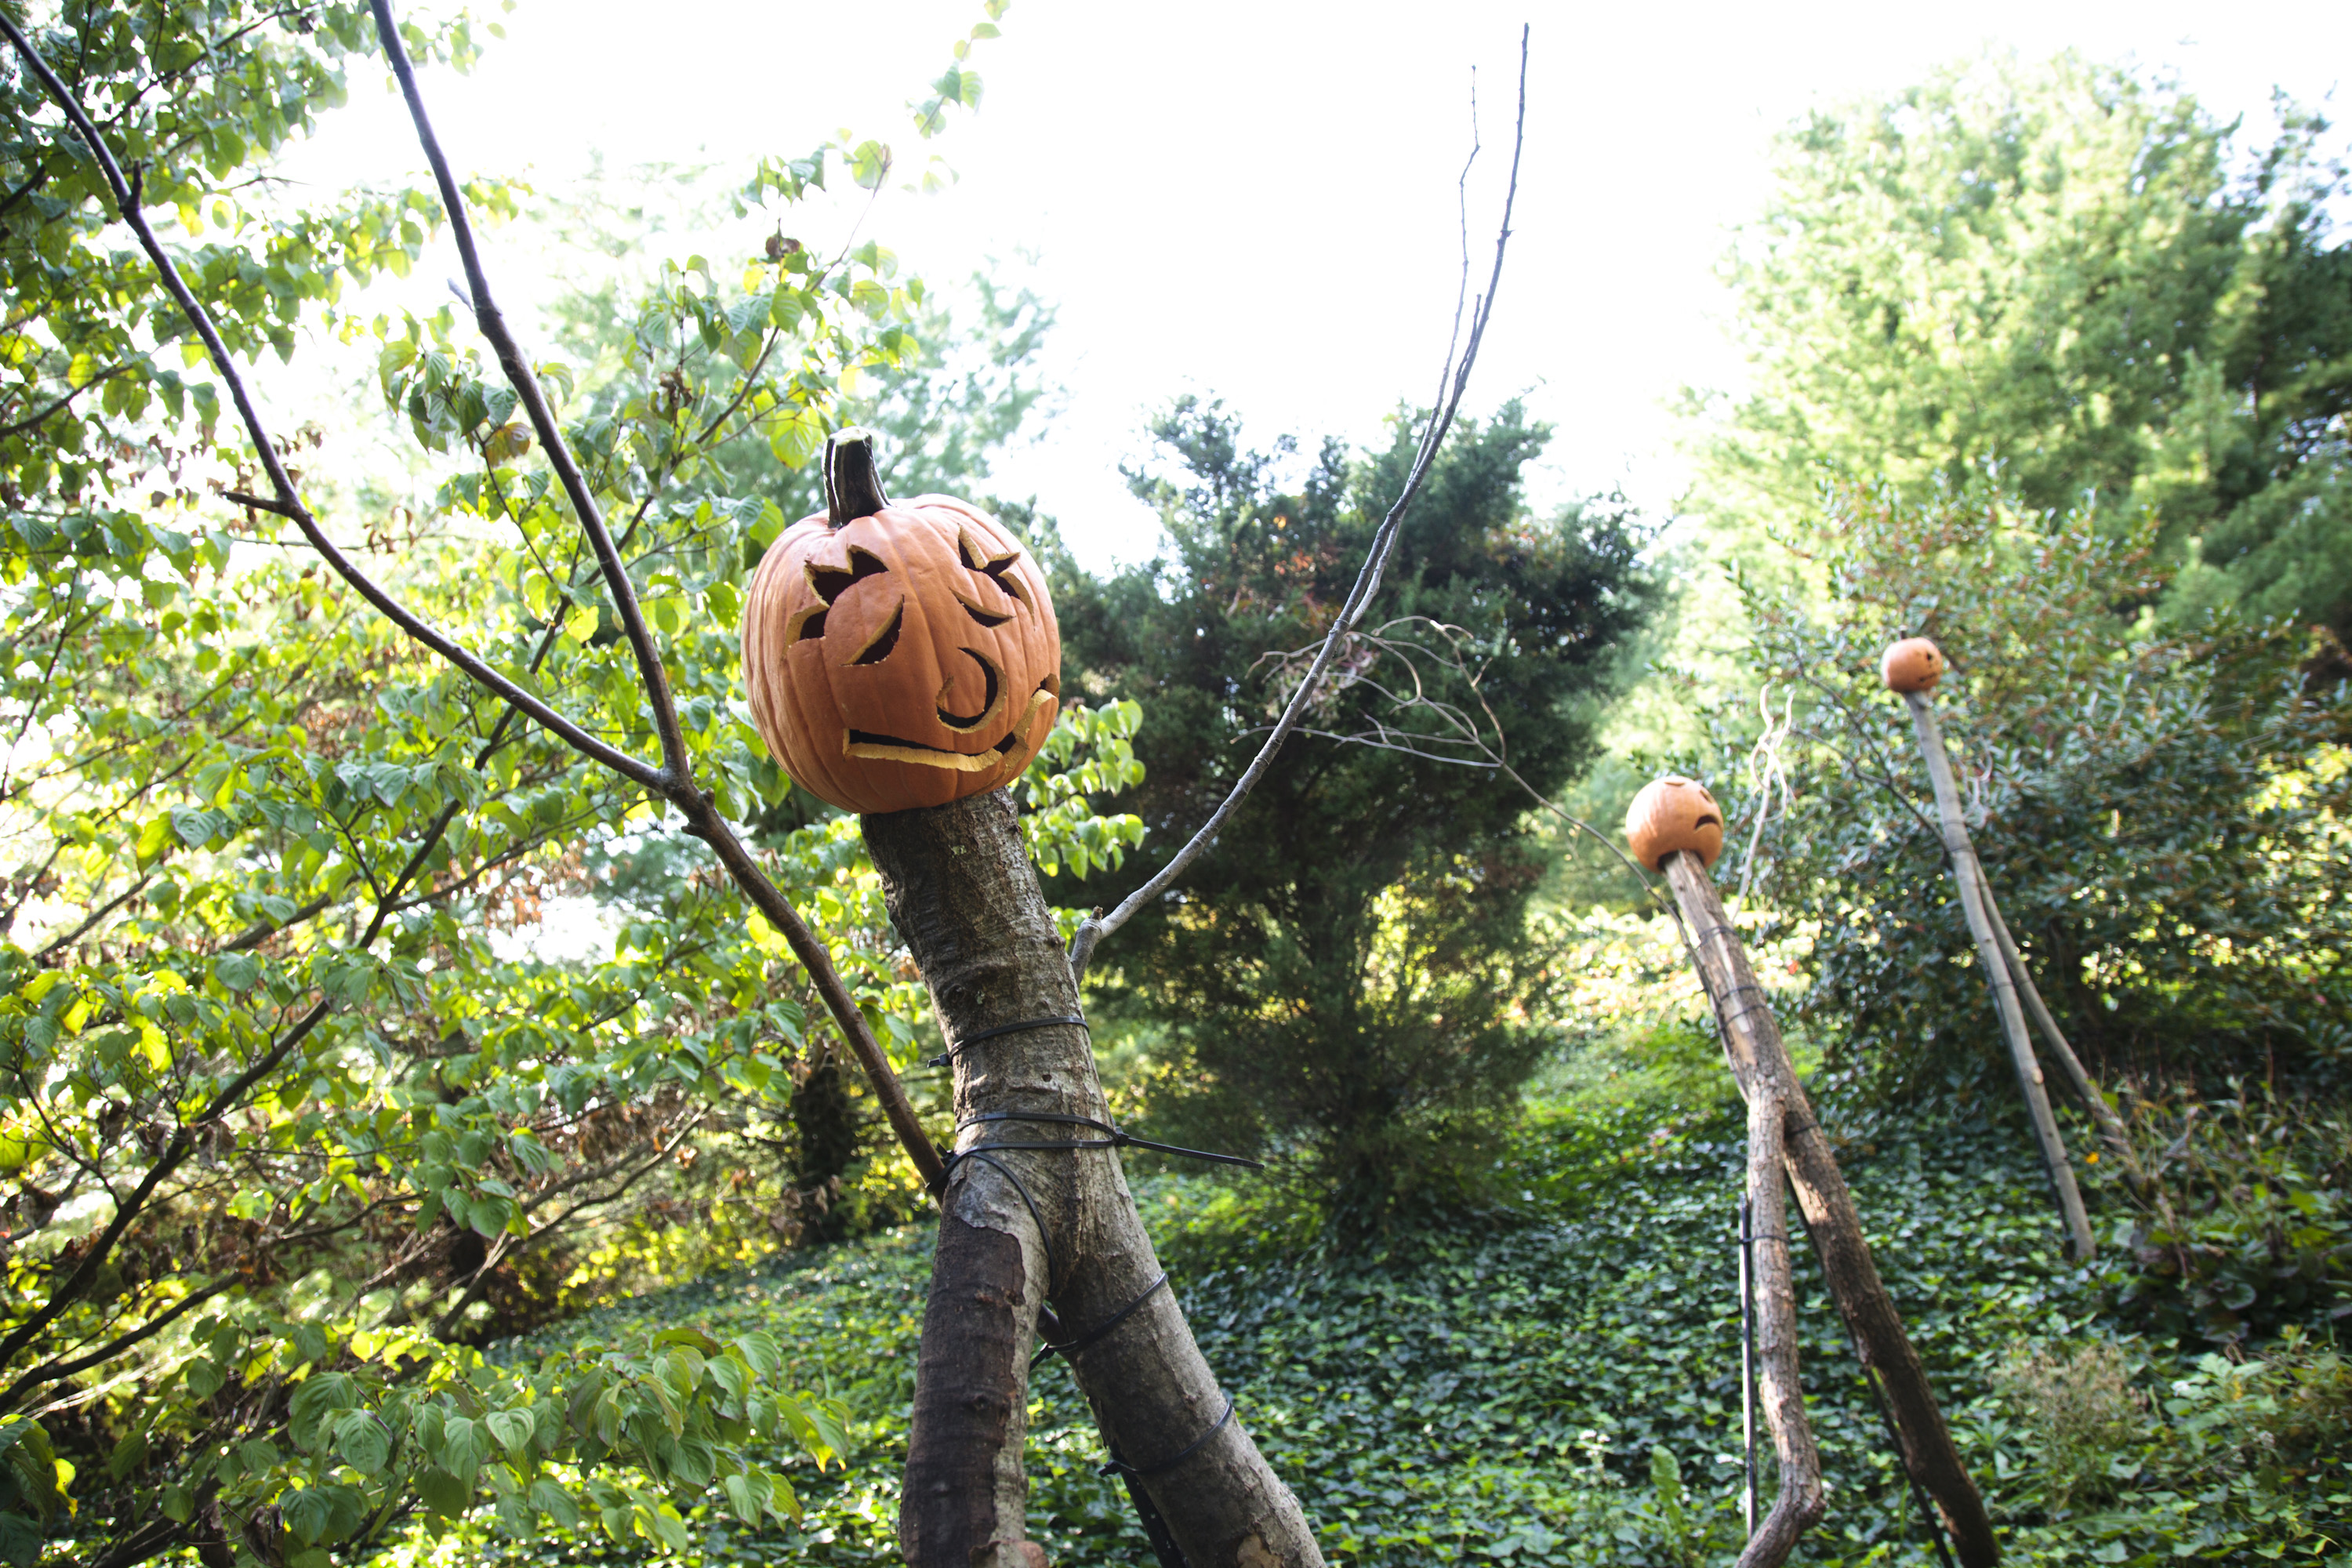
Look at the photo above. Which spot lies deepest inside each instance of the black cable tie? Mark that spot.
(1068, 1349)
(1120, 1466)
(1114, 1137)
(949, 1055)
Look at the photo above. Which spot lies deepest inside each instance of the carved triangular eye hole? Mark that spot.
(884, 640)
(828, 583)
(997, 569)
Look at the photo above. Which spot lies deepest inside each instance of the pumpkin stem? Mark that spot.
(852, 489)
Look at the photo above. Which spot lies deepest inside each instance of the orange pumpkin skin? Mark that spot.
(906, 658)
(1915, 664)
(1669, 816)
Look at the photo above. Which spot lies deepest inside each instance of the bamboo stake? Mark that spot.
(1751, 1039)
(1968, 876)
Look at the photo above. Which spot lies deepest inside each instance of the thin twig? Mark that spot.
(1095, 928)
(525, 381)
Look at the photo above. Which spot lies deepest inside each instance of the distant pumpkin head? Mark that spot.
(1673, 814)
(1915, 664)
(899, 655)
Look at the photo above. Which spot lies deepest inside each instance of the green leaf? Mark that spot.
(514, 1430)
(443, 1494)
(363, 1441)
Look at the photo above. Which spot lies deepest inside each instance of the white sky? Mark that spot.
(1256, 201)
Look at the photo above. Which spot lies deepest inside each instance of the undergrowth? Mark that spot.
(1556, 1383)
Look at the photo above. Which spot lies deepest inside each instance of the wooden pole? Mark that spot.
(1752, 1038)
(1020, 1226)
(2111, 1126)
(1968, 877)
(1797, 1506)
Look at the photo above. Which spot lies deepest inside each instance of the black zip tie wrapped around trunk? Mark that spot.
(945, 1057)
(1119, 1466)
(1068, 1350)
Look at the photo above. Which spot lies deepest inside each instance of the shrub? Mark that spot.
(2082, 1411)
(2161, 812)
(2245, 1229)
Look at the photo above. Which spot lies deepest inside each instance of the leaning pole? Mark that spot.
(1674, 827)
(1911, 669)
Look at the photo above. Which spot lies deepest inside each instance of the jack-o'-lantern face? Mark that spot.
(908, 658)
(1671, 816)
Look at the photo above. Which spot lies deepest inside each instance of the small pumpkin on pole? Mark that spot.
(1911, 669)
(1676, 828)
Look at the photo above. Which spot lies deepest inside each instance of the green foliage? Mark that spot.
(2053, 273)
(94, 363)
(2162, 812)
(2245, 1229)
(294, 1102)
(1345, 977)
(1563, 1389)
(2084, 1412)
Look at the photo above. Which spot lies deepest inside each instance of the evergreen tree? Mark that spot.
(1346, 974)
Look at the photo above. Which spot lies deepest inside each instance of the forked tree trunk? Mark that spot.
(1024, 1226)
(1758, 1057)
(1969, 879)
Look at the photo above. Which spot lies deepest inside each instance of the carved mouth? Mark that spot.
(890, 749)
(1707, 819)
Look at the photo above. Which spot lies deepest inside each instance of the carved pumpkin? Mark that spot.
(899, 655)
(1915, 664)
(1672, 814)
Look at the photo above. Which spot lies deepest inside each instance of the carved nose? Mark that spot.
(991, 687)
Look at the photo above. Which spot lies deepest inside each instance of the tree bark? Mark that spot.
(1752, 1038)
(1968, 876)
(1798, 1503)
(1021, 1226)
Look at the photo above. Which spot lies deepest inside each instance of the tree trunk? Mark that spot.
(1797, 1505)
(1751, 1038)
(1968, 876)
(1024, 1225)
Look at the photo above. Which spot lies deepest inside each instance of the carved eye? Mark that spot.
(997, 569)
(828, 585)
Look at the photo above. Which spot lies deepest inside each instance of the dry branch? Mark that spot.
(1452, 381)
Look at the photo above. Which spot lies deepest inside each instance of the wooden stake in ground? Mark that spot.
(1911, 669)
(1678, 832)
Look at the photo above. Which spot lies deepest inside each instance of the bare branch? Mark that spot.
(525, 381)
(1368, 580)
(289, 501)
